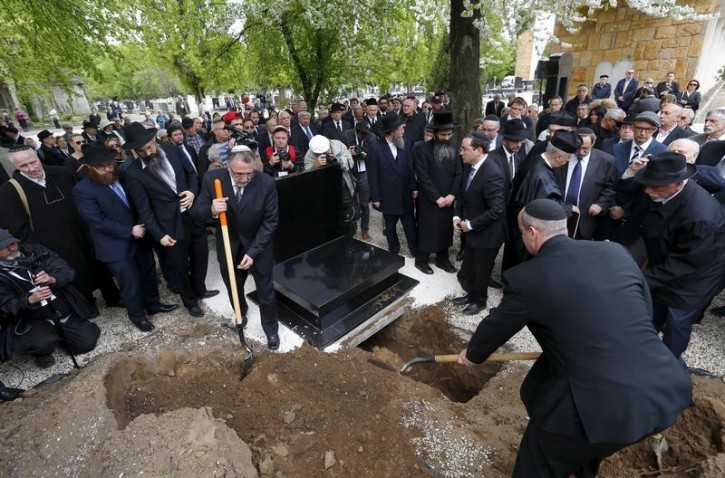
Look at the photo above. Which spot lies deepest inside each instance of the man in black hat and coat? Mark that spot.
(48, 153)
(604, 380)
(392, 183)
(334, 128)
(684, 235)
(118, 237)
(438, 171)
(164, 186)
(90, 133)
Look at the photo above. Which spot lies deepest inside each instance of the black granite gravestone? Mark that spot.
(327, 283)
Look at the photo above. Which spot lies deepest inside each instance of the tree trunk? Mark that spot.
(465, 85)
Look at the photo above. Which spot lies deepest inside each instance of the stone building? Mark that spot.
(616, 39)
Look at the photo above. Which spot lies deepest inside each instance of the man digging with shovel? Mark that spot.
(604, 380)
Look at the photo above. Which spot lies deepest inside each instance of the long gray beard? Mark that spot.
(158, 164)
(443, 152)
(399, 142)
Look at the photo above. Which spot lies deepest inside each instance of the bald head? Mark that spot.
(686, 147)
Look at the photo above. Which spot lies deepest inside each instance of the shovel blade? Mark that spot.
(249, 358)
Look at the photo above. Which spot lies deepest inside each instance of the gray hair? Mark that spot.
(546, 228)
(551, 149)
(25, 149)
(616, 114)
(690, 113)
(306, 114)
(215, 152)
(717, 112)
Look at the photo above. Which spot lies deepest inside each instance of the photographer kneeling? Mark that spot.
(39, 306)
(331, 152)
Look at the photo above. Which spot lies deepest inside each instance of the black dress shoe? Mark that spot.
(463, 300)
(719, 311)
(273, 342)
(196, 311)
(423, 267)
(494, 284)
(144, 325)
(209, 294)
(8, 394)
(44, 361)
(473, 309)
(446, 266)
(163, 308)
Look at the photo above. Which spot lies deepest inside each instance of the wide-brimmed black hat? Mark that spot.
(97, 154)
(391, 123)
(562, 119)
(337, 107)
(443, 120)
(138, 135)
(665, 168)
(566, 141)
(515, 130)
(89, 124)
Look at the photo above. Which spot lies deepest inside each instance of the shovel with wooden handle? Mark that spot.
(497, 357)
(247, 365)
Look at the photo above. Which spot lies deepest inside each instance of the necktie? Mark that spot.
(339, 127)
(308, 132)
(512, 165)
(470, 178)
(572, 194)
(637, 150)
(116, 188)
(238, 194)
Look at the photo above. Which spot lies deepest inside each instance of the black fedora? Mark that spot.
(391, 123)
(97, 155)
(138, 135)
(665, 168)
(515, 130)
(443, 120)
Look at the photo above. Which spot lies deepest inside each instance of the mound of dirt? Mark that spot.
(185, 412)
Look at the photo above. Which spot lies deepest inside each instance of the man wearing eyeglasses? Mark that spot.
(51, 219)
(625, 90)
(250, 201)
(643, 144)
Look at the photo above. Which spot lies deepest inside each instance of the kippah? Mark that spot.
(545, 210)
(18, 147)
(480, 136)
(492, 118)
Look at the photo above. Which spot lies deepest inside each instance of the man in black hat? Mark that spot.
(603, 89)
(36, 286)
(684, 235)
(438, 171)
(604, 380)
(334, 128)
(118, 237)
(163, 186)
(392, 183)
(480, 217)
(643, 143)
(48, 152)
(541, 181)
(90, 133)
(358, 141)
(436, 106)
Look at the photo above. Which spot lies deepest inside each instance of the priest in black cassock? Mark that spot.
(53, 220)
(541, 180)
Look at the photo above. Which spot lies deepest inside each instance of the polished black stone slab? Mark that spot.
(309, 211)
(328, 276)
(348, 316)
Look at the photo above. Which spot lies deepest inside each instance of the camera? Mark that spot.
(358, 154)
(244, 138)
(331, 159)
(283, 155)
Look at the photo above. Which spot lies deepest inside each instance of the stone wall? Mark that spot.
(525, 68)
(619, 38)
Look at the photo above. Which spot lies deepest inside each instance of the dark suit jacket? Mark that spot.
(157, 204)
(602, 363)
(330, 131)
(650, 103)
(674, 89)
(711, 153)
(677, 133)
(621, 151)
(596, 188)
(194, 161)
(252, 221)
(685, 241)
(484, 204)
(494, 109)
(628, 95)
(109, 219)
(600, 92)
(299, 139)
(392, 181)
(499, 154)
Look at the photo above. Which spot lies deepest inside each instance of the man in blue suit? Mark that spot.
(604, 379)
(625, 90)
(392, 185)
(643, 144)
(117, 236)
